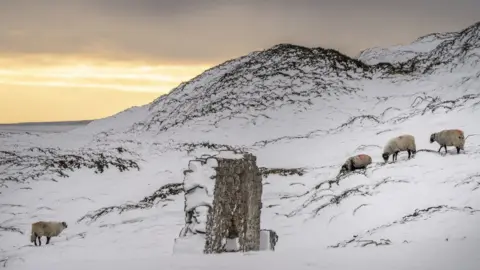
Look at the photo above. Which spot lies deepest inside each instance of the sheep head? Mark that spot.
(385, 157)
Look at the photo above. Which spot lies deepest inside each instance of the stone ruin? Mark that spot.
(223, 201)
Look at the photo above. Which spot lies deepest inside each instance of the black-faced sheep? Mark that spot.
(449, 137)
(46, 228)
(398, 144)
(356, 162)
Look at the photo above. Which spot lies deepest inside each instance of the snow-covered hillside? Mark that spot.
(451, 52)
(403, 53)
(117, 182)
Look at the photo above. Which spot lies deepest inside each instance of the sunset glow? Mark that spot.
(80, 73)
(37, 88)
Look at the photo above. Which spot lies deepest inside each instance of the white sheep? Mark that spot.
(46, 228)
(449, 137)
(356, 162)
(398, 144)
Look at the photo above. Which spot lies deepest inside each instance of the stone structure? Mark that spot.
(236, 205)
(223, 205)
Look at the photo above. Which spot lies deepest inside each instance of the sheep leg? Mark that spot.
(445, 148)
(48, 240)
(409, 153)
(458, 150)
(39, 240)
(352, 166)
(35, 239)
(395, 156)
(439, 149)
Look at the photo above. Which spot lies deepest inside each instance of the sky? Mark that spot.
(66, 60)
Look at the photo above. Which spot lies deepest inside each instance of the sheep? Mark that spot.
(356, 162)
(47, 229)
(398, 144)
(449, 137)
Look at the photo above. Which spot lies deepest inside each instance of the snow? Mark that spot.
(201, 174)
(419, 213)
(228, 155)
(201, 180)
(199, 185)
(445, 255)
(192, 244)
(402, 53)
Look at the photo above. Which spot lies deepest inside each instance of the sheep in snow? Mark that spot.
(47, 229)
(398, 144)
(449, 137)
(356, 162)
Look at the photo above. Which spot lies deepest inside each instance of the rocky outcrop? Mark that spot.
(223, 204)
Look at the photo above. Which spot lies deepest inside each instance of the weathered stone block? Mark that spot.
(223, 203)
(236, 205)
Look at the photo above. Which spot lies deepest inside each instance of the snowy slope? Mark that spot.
(301, 111)
(402, 53)
(444, 52)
